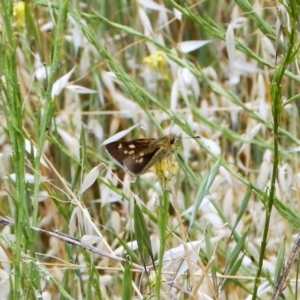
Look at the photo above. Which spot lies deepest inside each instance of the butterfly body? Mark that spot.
(138, 156)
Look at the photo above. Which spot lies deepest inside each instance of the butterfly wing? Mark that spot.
(125, 153)
(140, 162)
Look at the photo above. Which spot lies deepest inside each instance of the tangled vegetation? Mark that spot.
(218, 219)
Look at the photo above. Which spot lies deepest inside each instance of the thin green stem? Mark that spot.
(162, 226)
(14, 116)
(276, 92)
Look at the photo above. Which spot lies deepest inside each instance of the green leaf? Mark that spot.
(126, 284)
(142, 236)
(204, 188)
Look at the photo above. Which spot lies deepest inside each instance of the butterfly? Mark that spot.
(139, 155)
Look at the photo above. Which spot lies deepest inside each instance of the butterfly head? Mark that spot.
(175, 141)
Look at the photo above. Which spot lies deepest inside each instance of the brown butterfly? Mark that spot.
(138, 156)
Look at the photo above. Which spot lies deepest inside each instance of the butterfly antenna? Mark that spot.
(192, 137)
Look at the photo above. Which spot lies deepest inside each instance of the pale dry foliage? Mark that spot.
(93, 99)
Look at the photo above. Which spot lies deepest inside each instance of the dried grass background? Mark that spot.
(74, 74)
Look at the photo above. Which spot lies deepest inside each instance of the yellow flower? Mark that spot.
(166, 169)
(19, 15)
(156, 61)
